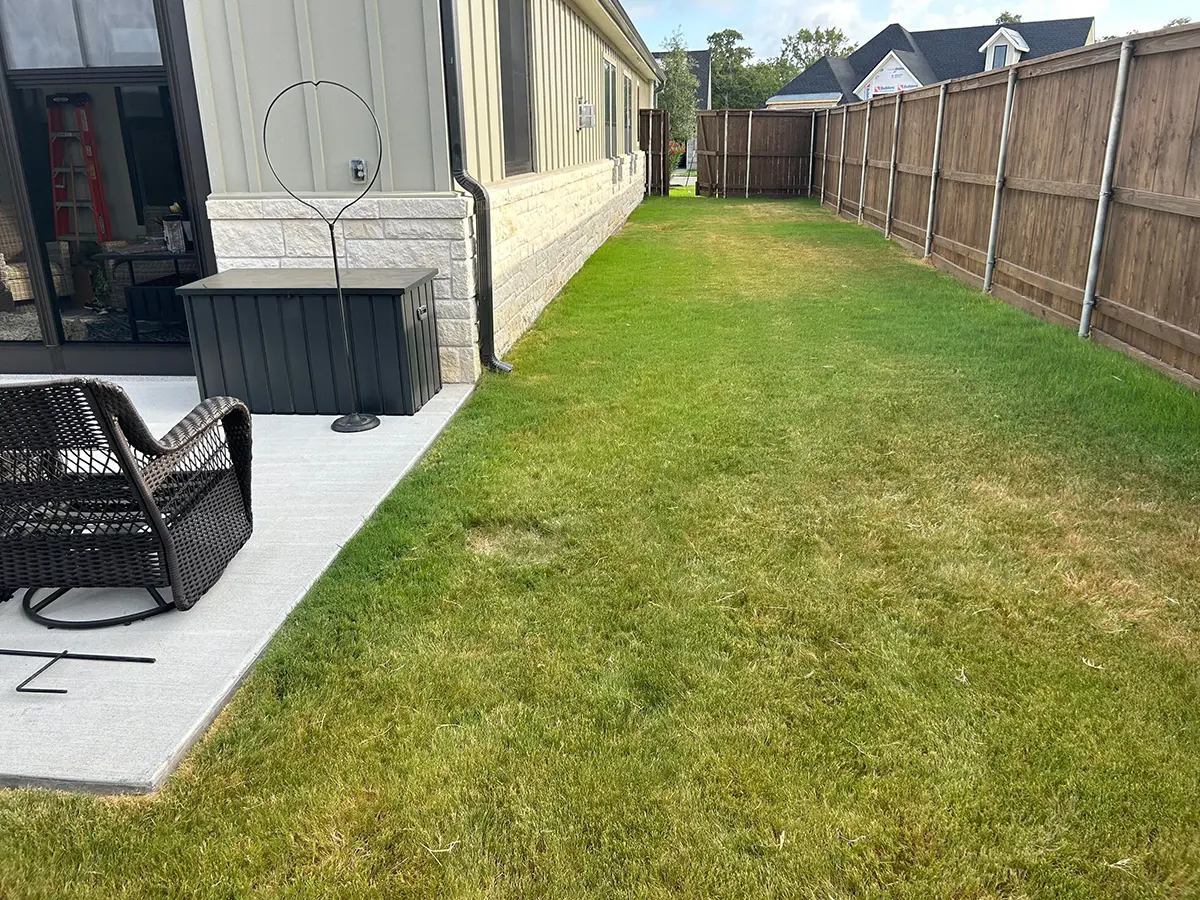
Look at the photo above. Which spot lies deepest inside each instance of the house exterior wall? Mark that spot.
(567, 52)
(245, 51)
(544, 228)
(545, 224)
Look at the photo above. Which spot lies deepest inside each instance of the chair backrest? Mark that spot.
(57, 461)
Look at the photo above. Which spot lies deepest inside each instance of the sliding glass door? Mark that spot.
(100, 230)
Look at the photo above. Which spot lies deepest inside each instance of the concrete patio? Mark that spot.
(124, 727)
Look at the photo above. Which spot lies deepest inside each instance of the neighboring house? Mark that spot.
(900, 60)
(529, 107)
(701, 63)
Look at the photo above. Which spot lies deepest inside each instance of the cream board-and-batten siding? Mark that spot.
(567, 55)
(546, 223)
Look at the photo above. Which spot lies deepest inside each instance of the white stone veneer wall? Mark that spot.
(544, 228)
(379, 232)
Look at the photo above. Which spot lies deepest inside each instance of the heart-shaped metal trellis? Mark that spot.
(357, 420)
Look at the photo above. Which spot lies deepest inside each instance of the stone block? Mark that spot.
(363, 228)
(222, 208)
(400, 254)
(459, 365)
(247, 238)
(225, 263)
(426, 229)
(455, 332)
(309, 238)
(444, 207)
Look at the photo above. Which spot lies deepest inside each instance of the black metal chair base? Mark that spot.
(354, 423)
(34, 611)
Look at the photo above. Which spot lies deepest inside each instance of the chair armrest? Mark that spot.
(206, 414)
(178, 467)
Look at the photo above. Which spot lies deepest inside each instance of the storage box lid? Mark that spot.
(309, 281)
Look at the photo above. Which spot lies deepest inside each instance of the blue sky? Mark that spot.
(764, 21)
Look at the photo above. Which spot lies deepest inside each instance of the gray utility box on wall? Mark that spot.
(273, 338)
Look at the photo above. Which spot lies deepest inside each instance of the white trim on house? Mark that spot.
(1014, 46)
(883, 63)
(803, 101)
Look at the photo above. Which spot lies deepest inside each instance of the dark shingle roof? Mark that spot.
(932, 55)
(701, 61)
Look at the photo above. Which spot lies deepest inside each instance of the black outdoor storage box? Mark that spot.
(273, 338)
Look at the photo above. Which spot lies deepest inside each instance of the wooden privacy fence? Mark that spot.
(753, 153)
(1068, 186)
(654, 137)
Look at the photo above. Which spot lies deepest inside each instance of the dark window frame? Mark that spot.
(516, 88)
(610, 109)
(628, 114)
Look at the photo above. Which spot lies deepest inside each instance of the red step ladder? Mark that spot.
(66, 166)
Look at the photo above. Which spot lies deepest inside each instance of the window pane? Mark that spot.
(628, 114)
(41, 34)
(999, 55)
(514, 88)
(610, 110)
(119, 33)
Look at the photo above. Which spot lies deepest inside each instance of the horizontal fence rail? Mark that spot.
(754, 153)
(1006, 180)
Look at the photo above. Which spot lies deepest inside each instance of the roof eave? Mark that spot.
(616, 12)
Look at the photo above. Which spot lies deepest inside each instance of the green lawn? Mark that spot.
(781, 566)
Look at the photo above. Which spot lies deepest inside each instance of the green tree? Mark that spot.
(729, 61)
(809, 45)
(1007, 18)
(1182, 20)
(678, 94)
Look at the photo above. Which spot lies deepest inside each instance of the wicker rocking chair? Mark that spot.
(89, 498)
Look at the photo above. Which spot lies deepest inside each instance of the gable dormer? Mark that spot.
(1003, 49)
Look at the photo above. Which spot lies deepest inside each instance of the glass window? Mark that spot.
(107, 198)
(119, 32)
(51, 34)
(41, 35)
(999, 55)
(514, 87)
(628, 114)
(610, 110)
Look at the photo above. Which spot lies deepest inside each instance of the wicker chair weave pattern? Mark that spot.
(90, 498)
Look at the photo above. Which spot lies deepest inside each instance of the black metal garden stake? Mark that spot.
(357, 420)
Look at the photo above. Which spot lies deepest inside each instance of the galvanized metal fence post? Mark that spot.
(887, 221)
(825, 158)
(812, 149)
(933, 172)
(994, 232)
(1106, 191)
(725, 163)
(841, 163)
(862, 182)
(749, 136)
